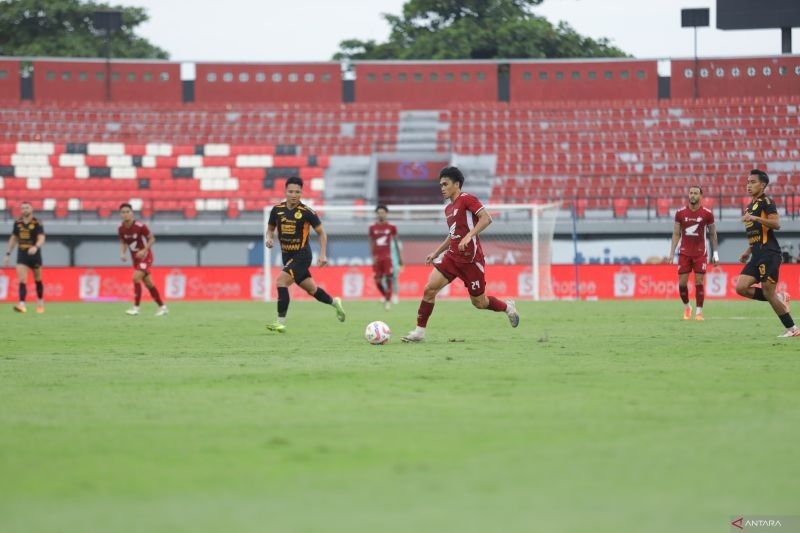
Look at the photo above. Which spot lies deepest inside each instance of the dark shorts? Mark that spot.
(30, 261)
(763, 267)
(383, 267)
(297, 265)
(689, 263)
(472, 274)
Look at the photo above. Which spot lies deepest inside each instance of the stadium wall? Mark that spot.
(736, 77)
(265, 83)
(596, 80)
(421, 84)
(85, 81)
(9, 79)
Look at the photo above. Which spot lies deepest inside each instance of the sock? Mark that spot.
(137, 294)
(40, 290)
(684, 292)
(323, 296)
(389, 288)
(283, 301)
(157, 297)
(699, 295)
(496, 305)
(758, 294)
(788, 323)
(379, 284)
(23, 292)
(424, 313)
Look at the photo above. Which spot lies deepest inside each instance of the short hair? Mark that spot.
(762, 176)
(381, 206)
(453, 174)
(294, 180)
(24, 202)
(124, 205)
(699, 188)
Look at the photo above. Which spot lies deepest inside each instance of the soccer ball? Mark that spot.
(378, 332)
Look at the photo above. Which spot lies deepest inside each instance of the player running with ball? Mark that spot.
(463, 256)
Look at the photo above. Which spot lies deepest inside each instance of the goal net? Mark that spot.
(517, 246)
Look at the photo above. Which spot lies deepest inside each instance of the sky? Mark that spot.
(310, 30)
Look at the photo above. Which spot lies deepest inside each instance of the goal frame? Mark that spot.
(535, 209)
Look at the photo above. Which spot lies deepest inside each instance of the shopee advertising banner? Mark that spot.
(605, 282)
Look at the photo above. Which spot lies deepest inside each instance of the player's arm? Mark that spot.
(151, 239)
(484, 219)
(122, 249)
(270, 232)
(712, 235)
(745, 255)
(442, 247)
(398, 246)
(40, 238)
(676, 236)
(12, 243)
(323, 246)
(771, 221)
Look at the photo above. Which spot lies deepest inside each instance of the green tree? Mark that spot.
(57, 28)
(475, 29)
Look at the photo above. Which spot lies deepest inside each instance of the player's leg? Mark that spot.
(151, 287)
(389, 277)
(137, 293)
(472, 274)
(22, 279)
(684, 268)
(744, 287)
(699, 295)
(282, 284)
(377, 275)
(436, 282)
(37, 278)
(321, 296)
(769, 283)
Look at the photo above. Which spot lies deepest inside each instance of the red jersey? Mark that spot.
(693, 230)
(381, 236)
(462, 215)
(135, 236)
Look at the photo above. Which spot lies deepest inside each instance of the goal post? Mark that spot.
(520, 235)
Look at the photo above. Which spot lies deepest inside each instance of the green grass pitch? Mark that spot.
(592, 416)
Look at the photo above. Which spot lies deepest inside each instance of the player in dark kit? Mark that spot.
(382, 242)
(690, 227)
(293, 219)
(136, 237)
(761, 220)
(463, 258)
(28, 236)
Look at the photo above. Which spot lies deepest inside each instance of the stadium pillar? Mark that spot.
(107, 21)
(26, 71)
(786, 40)
(503, 82)
(694, 18)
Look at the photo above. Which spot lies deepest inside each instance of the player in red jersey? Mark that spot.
(463, 257)
(136, 237)
(382, 238)
(690, 227)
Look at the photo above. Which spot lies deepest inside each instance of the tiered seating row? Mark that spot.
(595, 154)
(77, 177)
(331, 129)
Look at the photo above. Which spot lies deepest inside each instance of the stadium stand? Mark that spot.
(602, 135)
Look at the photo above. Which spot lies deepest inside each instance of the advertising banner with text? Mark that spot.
(605, 282)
